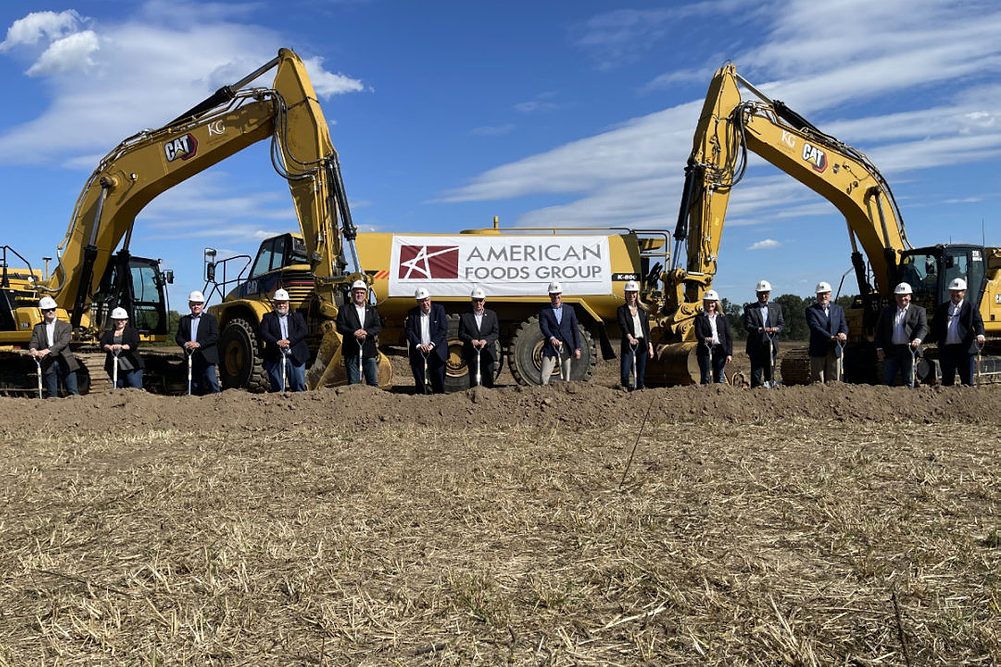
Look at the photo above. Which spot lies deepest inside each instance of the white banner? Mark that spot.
(501, 265)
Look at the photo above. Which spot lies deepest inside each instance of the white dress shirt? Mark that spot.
(764, 314)
(50, 332)
(952, 332)
(899, 335)
(361, 315)
(425, 328)
(714, 339)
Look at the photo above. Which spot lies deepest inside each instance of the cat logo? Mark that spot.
(815, 156)
(183, 147)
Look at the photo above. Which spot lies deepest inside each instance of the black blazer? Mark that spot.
(438, 327)
(60, 345)
(971, 325)
(626, 325)
(704, 332)
(130, 337)
(208, 336)
(565, 331)
(489, 331)
(915, 325)
(758, 340)
(823, 327)
(271, 333)
(348, 324)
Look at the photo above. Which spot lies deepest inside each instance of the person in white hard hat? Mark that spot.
(763, 322)
(50, 344)
(197, 334)
(958, 329)
(479, 330)
(359, 324)
(899, 332)
(828, 334)
(427, 336)
(712, 332)
(558, 322)
(283, 333)
(121, 342)
(634, 323)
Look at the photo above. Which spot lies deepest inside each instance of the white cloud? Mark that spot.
(38, 25)
(764, 244)
(73, 52)
(327, 83)
(542, 102)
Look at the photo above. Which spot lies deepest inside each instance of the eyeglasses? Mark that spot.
(48, 310)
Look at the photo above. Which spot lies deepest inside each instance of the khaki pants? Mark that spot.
(824, 369)
(549, 363)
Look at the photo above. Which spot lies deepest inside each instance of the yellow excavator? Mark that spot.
(152, 161)
(728, 127)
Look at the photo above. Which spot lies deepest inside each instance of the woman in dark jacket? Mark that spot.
(121, 342)
(634, 322)
(712, 331)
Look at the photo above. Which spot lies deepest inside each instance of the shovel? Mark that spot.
(284, 370)
(427, 380)
(712, 370)
(188, 354)
(633, 371)
(771, 362)
(980, 349)
(38, 372)
(114, 369)
(361, 354)
(914, 367)
(839, 365)
(479, 377)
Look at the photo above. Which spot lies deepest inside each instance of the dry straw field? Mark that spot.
(797, 526)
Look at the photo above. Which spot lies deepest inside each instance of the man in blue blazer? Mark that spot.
(284, 335)
(427, 338)
(197, 334)
(828, 333)
(359, 324)
(958, 328)
(558, 322)
(763, 322)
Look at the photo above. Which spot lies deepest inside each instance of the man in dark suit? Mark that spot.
(197, 334)
(50, 345)
(899, 332)
(958, 329)
(479, 331)
(284, 337)
(763, 322)
(359, 324)
(427, 335)
(828, 333)
(558, 322)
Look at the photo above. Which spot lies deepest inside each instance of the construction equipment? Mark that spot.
(728, 127)
(288, 114)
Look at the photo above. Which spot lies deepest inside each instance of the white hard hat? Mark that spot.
(710, 295)
(47, 303)
(555, 288)
(763, 286)
(957, 284)
(632, 286)
(359, 284)
(196, 297)
(119, 314)
(902, 288)
(280, 295)
(478, 293)
(421, 294)
(823, 287)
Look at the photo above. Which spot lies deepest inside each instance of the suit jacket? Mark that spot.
(626, 325)
(822, 327)
(130, 337)
(915, 325)
(704, 332)
(758, 340)
(348, 324)
(488, 331)
(60, 345)
(565, 331)
(271, 333)
(438, 326)
(971, 325)
(207, 337)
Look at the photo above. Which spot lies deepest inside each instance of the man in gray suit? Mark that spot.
(50, 344)
(899, 333)
(478, 331)
(763, 322)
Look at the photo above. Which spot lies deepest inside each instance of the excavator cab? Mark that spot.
(930, 271)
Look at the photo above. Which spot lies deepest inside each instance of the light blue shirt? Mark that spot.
(558, 313)
(194, 327)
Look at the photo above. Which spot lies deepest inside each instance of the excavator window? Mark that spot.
(269, 256)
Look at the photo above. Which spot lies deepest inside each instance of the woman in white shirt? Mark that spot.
(634, 322)
(712, 332)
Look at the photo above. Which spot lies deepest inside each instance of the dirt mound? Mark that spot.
(573, 406)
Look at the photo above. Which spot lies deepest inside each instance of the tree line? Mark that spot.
(793, 310)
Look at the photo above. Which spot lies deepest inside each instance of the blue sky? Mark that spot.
(544, 113)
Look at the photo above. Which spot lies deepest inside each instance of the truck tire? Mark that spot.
(240, 362)
(524, 354)
(456, 372)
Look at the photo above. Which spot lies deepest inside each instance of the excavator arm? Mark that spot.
(152, 161)
(728, 127)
